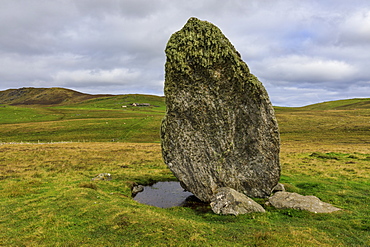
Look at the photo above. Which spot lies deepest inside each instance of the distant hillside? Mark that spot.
(117, 101)
(62, 96)
(43, 96)
(71, 98)
(347, 104)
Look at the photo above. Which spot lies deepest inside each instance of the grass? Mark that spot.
(324, 126)
(116, 102)
(96, 129)
(347, 104)
(56, 124)
(104, 119)
(48, 197)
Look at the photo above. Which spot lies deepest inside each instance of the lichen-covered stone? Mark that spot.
(278, 187)
(229, 201)
(219, 129)
(137, 188)
(286, 200)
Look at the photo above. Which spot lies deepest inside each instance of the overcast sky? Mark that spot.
(303, 51)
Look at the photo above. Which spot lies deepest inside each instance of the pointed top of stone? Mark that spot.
(202, 41)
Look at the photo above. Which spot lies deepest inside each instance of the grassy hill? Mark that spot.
(43, 96)
(342, 121)
(82, 117)
(48, 198)
(62, 97)
(77, 116)
(347, 104)
(118, 101)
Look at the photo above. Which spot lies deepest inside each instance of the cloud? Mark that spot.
(295, 95)
(96, 77)
(304, 69)
(302, 96)
(355, 29)
(317, 49)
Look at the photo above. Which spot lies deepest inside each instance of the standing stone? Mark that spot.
(219, 129)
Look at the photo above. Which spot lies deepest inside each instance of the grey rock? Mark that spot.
(278, 187)
(285, 200)
(220, 129)
(137, 188)
(103, 176)
(229, 201)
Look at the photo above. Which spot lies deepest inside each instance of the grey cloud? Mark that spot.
(307, 69)
(314, 49)
(355, 29)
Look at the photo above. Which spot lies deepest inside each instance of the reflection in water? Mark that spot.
(165, 195)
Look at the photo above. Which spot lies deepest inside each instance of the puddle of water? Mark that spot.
(164, 195)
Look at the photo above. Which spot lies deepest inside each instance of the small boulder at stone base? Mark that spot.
(286, 200)
(228, 201)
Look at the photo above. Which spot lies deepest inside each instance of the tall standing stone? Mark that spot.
(219, 129)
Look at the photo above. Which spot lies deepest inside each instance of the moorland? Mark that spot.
(54, 141)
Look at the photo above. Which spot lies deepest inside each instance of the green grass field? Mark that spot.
(48, 198)
(100, 119)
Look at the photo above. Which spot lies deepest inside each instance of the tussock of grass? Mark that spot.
(88, 185)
